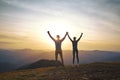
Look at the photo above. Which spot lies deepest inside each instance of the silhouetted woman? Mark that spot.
(74, 45)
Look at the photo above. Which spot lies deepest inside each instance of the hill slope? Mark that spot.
(41, 63)
(93, 71)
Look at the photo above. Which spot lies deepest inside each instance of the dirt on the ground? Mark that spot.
(93, 71)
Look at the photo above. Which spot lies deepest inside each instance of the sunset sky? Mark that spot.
(24, 23)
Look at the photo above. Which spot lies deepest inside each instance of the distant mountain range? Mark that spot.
(13, 59)
(6, 67)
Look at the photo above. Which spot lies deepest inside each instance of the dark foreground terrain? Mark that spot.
(93, 71)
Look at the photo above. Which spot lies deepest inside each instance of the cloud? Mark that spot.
(103, 12)
(6, 43)
(95, 17)
(34, 6)
(12, 37)
(3, 36)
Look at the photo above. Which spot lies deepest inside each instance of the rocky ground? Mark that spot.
(93, 71)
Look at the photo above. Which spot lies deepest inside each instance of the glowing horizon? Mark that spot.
(24, 23)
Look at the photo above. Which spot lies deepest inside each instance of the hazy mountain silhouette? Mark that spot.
(41, 63)
(6, 67)
(99, 56)
(18, 58)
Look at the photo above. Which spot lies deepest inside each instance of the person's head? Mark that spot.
(74, 38)
(58, 37)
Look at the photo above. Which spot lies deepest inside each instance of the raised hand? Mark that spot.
(81, 34)
(48, 32)
(67, 33)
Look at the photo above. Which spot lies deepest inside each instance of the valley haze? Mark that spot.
(14, 59)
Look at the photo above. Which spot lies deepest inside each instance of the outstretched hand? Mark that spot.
(81, 34)
(48, 31)
(66, 33)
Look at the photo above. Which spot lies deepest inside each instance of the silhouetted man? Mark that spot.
(58, 43)
(75, 49)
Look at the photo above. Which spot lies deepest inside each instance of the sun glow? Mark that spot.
(58, 30)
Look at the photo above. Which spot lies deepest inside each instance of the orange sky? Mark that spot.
(24, 24)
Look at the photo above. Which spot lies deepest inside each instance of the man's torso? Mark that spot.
(58, 45)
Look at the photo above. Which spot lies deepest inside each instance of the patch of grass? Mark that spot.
(93, 71)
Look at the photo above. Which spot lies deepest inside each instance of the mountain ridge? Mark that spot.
(23, 57)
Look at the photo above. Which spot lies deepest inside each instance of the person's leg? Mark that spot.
(77, 56)
(73, 56)
(56, 56)
(61, 56)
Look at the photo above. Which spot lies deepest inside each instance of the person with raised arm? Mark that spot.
(75, 48)
(58, 43)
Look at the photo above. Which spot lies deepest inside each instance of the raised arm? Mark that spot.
(50, 36)
(69, 37)
(80, 37)
(64, 36)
